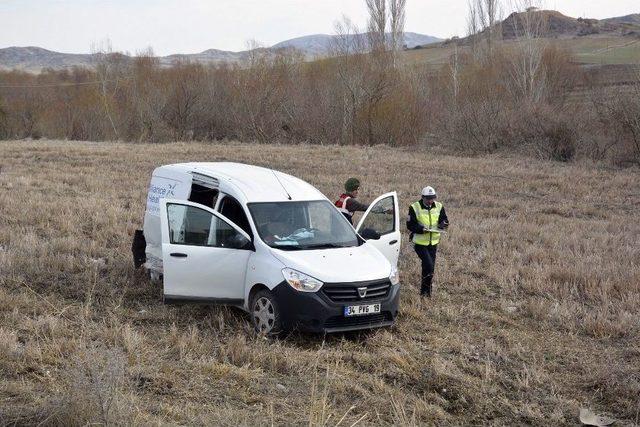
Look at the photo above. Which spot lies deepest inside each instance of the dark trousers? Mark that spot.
(427, 255)
(349, 217)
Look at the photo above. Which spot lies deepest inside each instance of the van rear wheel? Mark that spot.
(265, 313)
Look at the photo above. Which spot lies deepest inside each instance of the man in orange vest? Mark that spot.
(347, 203)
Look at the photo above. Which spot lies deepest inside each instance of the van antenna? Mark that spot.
(279, 182)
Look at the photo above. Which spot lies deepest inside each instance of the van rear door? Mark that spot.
(204, 254)
(167, 182)
(380, 225)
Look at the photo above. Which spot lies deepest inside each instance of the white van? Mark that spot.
(271, 244)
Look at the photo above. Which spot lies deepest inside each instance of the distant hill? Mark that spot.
(633, 19)
(208, 56)
(320, 44)
(313, 45)
(558, 25)
(35, 59)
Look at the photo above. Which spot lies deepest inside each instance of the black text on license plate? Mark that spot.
(359, 310)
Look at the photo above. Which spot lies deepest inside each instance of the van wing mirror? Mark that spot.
(370, 234)
(238, 241)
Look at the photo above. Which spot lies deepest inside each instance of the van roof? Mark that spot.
(257, 184)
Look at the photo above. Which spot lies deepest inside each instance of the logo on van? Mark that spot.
(362, 292)
(171, 188)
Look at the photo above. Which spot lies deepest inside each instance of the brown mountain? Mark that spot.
(633, 19)
(553, 24)
(557, 25)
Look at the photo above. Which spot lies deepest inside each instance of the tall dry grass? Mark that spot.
(535, 311)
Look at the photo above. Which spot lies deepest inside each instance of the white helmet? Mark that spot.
(428, 192)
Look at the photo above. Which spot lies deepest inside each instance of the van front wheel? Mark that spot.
(265, 314)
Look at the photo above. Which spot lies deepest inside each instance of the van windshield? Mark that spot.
(302, 225)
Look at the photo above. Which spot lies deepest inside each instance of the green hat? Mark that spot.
(352, 184)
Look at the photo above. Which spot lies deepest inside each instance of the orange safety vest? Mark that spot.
(341, 204)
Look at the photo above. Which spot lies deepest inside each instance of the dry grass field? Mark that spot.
(536, 311)
(602, 50)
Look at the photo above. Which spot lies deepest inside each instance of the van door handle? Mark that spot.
(393, 242)
(178, 255)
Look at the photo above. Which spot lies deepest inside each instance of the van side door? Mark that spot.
(380, 226)
(204, 254)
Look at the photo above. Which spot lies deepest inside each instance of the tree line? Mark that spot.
(489, 96)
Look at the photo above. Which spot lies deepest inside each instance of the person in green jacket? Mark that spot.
(347, 203)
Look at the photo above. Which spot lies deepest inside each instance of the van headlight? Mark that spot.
(394, 277)
(300, 281)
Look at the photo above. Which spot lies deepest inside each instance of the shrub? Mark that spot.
(3, 122)
(544, 131)
(96, 383)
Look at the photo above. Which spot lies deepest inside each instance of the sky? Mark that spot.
(191, 26)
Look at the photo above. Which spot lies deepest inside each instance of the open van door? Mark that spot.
(380, 226)
(204, 254)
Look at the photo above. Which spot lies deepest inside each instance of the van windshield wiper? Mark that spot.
(326, 246)
(290, 247)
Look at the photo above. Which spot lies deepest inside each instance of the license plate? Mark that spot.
(359, 310)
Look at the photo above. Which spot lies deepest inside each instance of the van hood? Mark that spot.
(338, 265)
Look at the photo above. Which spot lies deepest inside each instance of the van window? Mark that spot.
(203, 195)
(231, 208)
(381, 218)
(302, 225)
(193, 226)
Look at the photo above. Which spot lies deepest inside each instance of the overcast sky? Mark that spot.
(190, 26)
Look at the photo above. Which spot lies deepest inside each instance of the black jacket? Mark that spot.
(353, 205)
(416, 228)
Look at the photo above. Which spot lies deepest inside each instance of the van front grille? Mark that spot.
(349, 292)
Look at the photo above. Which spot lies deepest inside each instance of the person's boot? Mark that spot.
(425, 290)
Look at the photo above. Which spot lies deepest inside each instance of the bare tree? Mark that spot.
(618, 111)
(488, 15)
(366, 79)
(454, 68)
(110, 70)
(630, 119)
(349, 50)
(397, 20)
(255, 53)
(348, 40)
(148, 99)
(3, 120)
(527, 61)
(264, 106)
(473, 26)
(377, 26)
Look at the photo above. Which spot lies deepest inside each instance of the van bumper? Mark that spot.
(317, 312)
